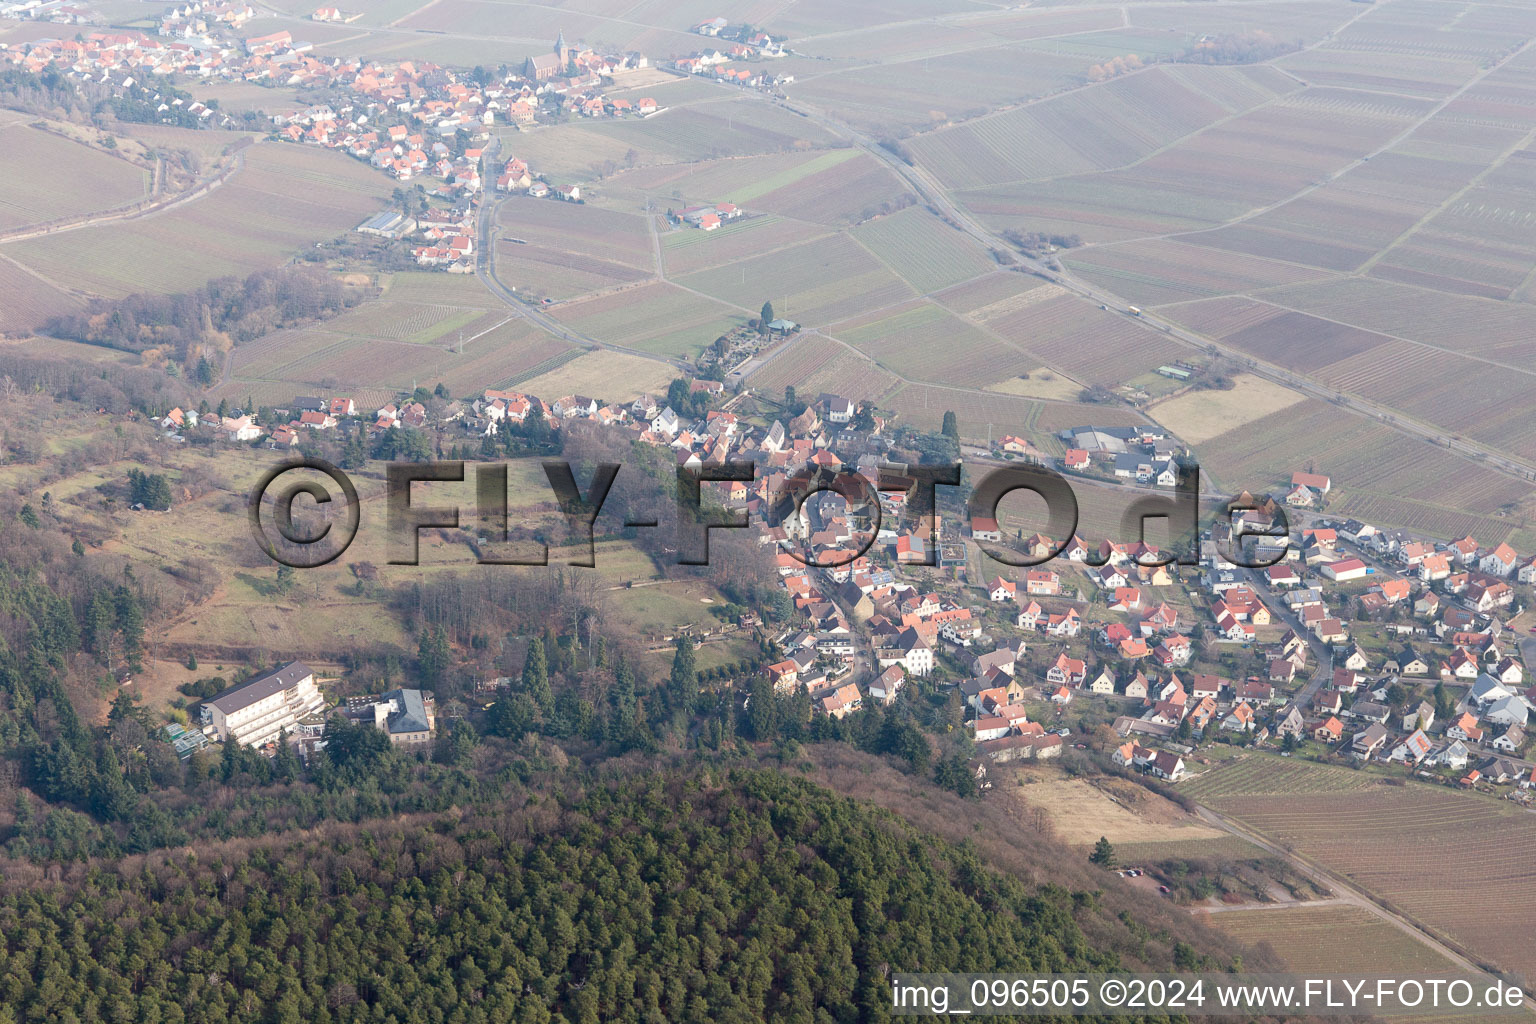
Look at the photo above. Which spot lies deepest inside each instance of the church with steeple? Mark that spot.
(553, 64)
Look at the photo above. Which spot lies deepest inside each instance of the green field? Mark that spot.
(927, 253)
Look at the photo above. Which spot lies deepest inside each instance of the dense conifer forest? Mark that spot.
(740, 895)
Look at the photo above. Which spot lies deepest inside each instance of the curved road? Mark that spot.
(485, 270)
(934, 194)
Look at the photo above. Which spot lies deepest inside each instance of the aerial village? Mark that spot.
(415, 121)
(1365, 645)
(1360, 645)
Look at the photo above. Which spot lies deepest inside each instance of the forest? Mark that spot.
(710, 895)
(202, 323)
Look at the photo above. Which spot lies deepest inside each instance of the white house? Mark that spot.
(1501, 561)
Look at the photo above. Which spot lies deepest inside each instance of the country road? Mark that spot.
(933, 193)
(1345, 892)
(485, 270)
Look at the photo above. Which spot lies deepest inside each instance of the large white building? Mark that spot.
(257, 710)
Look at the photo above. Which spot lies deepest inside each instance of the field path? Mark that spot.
(1344, 891)
(485, 270)
(1220, 908)
(220, 176)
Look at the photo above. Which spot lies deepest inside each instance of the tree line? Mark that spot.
(197, 324)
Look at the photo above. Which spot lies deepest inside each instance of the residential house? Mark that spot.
(1510, 741)
(1413, 749)
(1465, 728)
(887, 684)
(1168, 765)
(1066, 671)
(1501, 561)
(1368, 742)
(843, 701)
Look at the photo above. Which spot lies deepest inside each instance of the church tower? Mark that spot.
(562, 52)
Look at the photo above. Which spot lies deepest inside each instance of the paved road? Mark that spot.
(485, 270)
(1343, 890)
(934, 194)
(1321, 653)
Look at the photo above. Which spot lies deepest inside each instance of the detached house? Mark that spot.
(1066, 671)
(1369, 741)
(1501, 561)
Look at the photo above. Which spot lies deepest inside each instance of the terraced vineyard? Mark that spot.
(1449, 860)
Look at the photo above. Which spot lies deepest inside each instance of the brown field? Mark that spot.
(607, 376)
(1137, 114)
(1302, 342)
(286, 198)
(303, 360)
(1159, 271)
(729, 127)
(1254, 159)
(927, 253)
(1201, 415)
(535, 270)
(923, 406)
(732, 179)
(686, 249)
(28, 300)
(1449, 860)
(1081, 812)
(923, 91)
(576, 227)
(446, 289)
(812, 364)
(1498, 330)
(988, 295)
(847, 191)
(1386, 477)
(1079, 339)
(656, 317)
(1041, 383)
(52, 178)
(814, 283)
(924, 341)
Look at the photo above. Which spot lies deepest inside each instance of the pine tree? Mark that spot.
(100, 623)
(536, 676)
(766, 315)
(434, 655)
(512, 715)
(763, 711)
(130, 623)
(1103, 853)
(951, 427)
(685, 683)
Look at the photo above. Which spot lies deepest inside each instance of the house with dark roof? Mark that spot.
(408, 716)
(257, 710)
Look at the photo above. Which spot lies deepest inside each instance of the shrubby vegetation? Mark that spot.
(223, 312)
(1237, 48)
